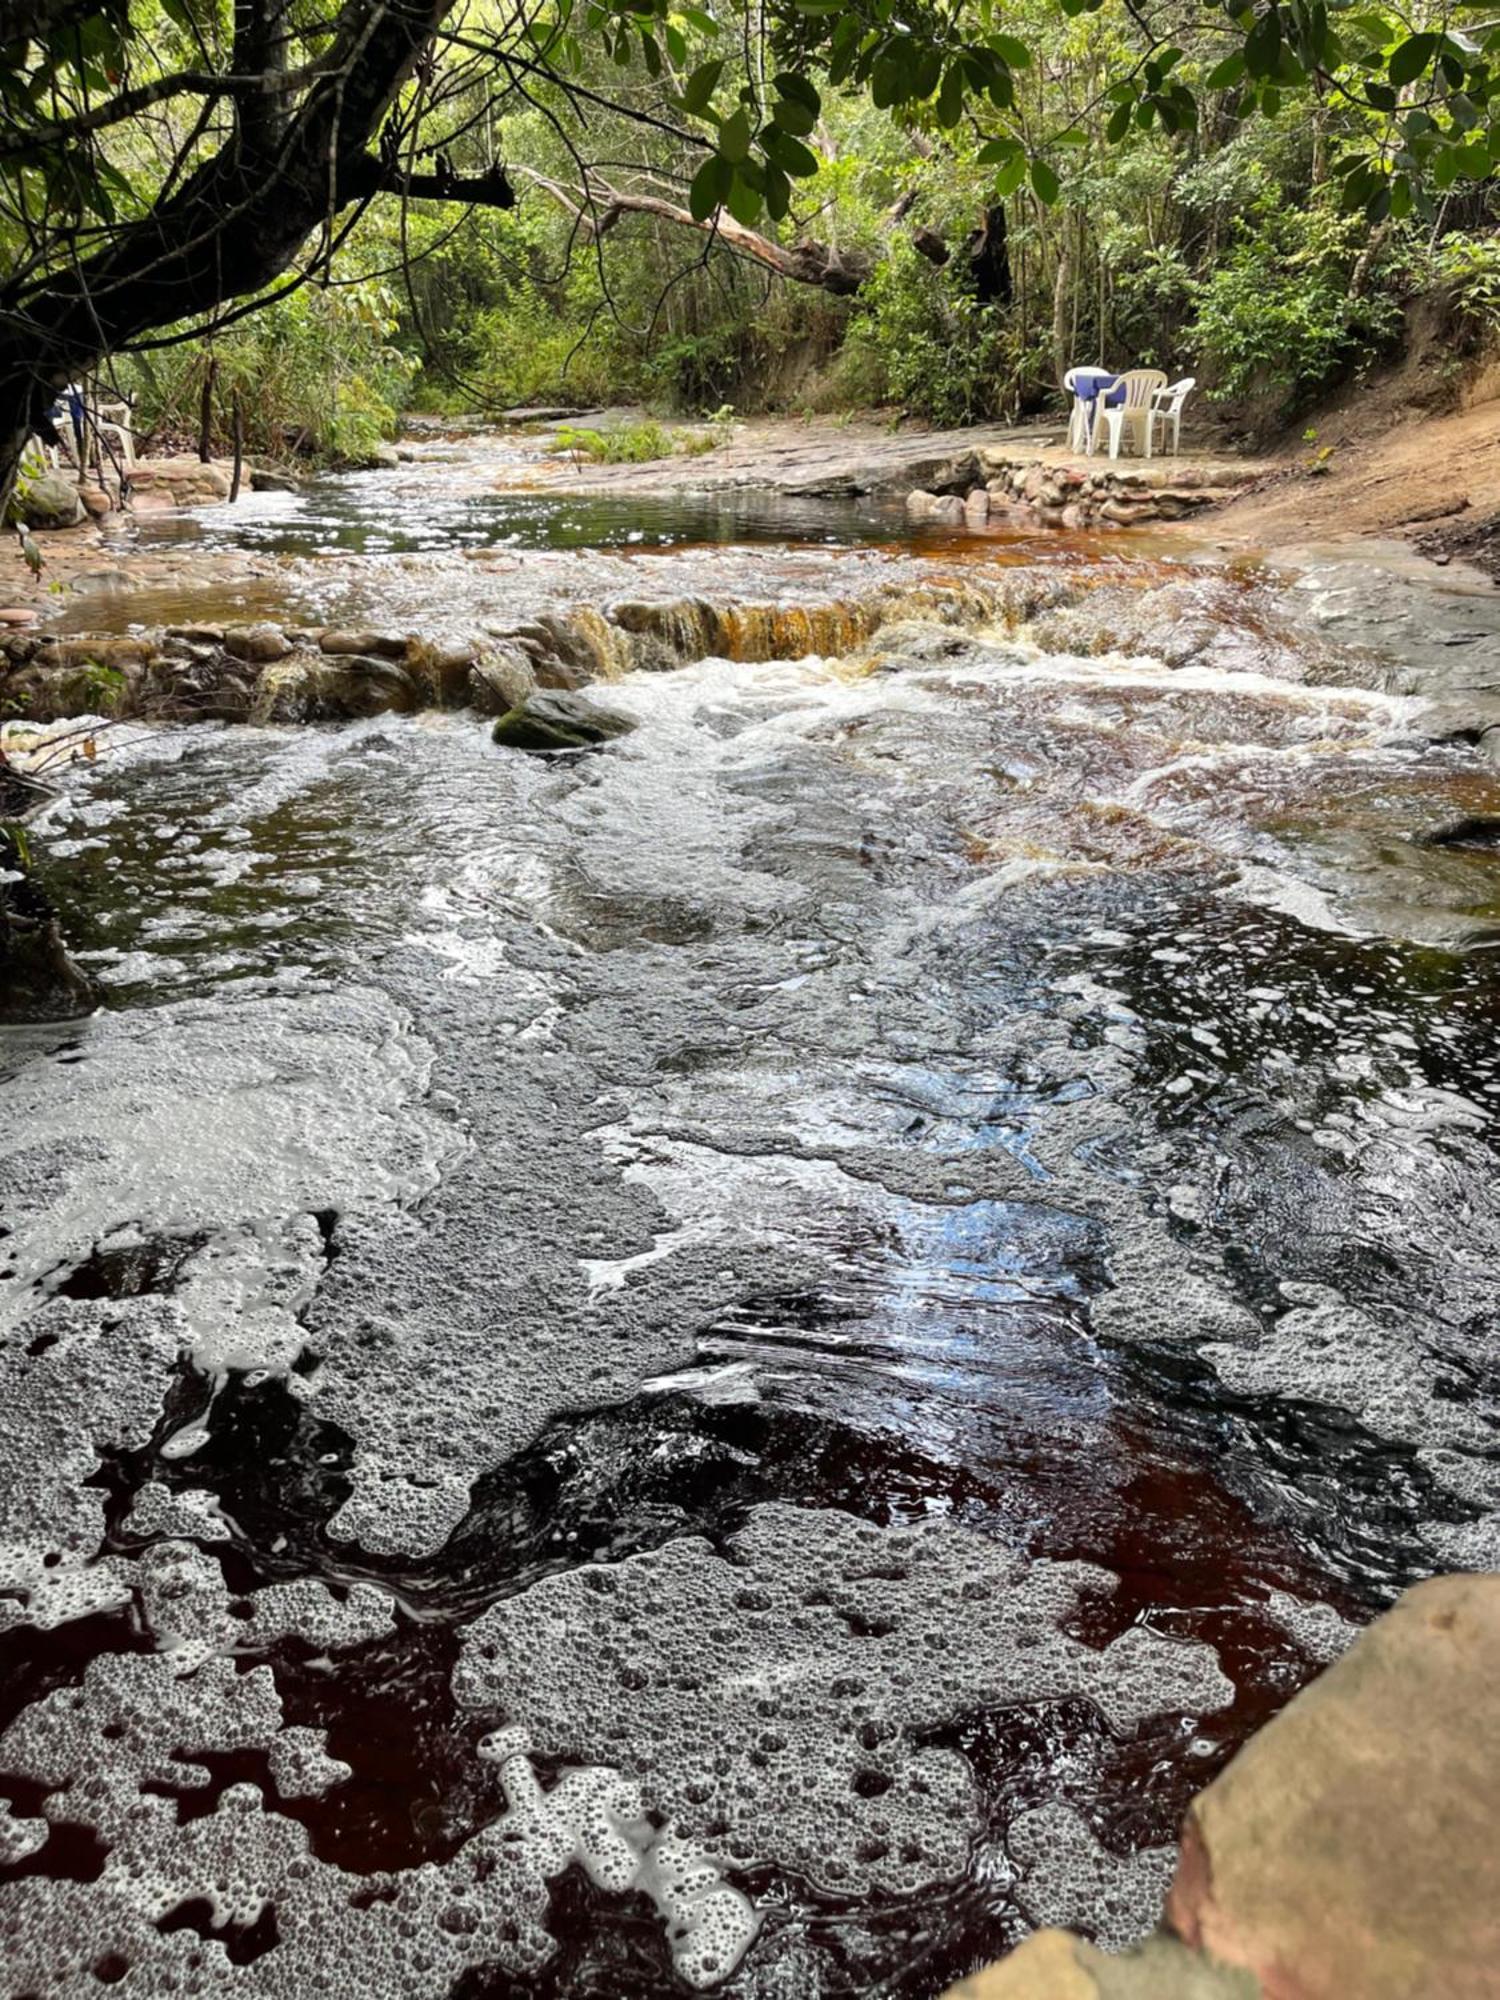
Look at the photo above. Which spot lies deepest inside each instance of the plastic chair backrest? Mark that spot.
(1172, 398)
(1141, 386)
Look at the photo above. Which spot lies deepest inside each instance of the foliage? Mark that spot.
(1280, 312)
(1469, 268)
(918, 340)
(634, 444)
(317, 373)
(1177, 186)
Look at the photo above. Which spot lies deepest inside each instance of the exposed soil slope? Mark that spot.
(1437, 478)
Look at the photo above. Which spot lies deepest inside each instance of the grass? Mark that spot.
(638, 444)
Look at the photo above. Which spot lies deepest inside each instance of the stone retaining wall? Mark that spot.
(1078, 495)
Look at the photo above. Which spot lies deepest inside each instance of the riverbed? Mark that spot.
(738, 1363)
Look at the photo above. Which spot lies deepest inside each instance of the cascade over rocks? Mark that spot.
(267, 673)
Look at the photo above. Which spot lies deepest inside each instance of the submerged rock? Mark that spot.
(501, 679)
(385, 645)
(260, 644)
(552, 721)
(38, 980)
(944, 507)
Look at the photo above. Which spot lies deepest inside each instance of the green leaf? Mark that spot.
(711, 185)
(995, 150)
(950, 101)
(1401, 197)
(886, 80)
(1263, 45)
(1119, 123)
(734, 135)
(927, 73)
(1012, 52)
(701, 86)
(788, 153)
(744, 202)
(778, 192)
(1010, 177)
(1045, 184)
(1410, 58)
(798, 89)
(676, 42)
(794, 116)
(1223, 75)
(1473, 160)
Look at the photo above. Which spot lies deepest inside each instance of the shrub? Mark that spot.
(1277, 315)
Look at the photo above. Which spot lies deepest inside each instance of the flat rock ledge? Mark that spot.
(1351, 1851)
(992, 489)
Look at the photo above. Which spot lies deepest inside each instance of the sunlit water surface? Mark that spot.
(1017, 1090)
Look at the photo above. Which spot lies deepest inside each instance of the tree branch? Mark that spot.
(832, 270)
(370, 176)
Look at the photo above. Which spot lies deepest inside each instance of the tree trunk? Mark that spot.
(238, 422)
(1062, 293)
(206, 412)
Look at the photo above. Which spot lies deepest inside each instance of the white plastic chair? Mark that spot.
(1080, 434)
(1136, 389)
(1166, 408)
(116, 417)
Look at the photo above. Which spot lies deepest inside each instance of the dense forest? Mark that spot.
(933, 209)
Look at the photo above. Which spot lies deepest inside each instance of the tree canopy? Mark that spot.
(162, 161)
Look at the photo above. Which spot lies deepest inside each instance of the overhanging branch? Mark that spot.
(599, 209)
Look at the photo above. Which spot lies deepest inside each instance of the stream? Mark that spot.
(738, 1363)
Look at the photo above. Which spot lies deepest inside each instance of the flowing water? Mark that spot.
(739, 1363)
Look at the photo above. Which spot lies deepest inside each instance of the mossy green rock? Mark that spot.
(548, 722)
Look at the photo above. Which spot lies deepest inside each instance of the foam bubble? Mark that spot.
(776, 1697)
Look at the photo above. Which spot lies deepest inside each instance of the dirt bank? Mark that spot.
(1434, 479)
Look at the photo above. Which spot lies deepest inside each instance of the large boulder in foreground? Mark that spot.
(1055, 1965)
(1353, 1846)
(549, 721)
(1351, 1851)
